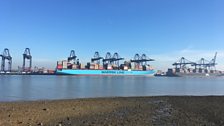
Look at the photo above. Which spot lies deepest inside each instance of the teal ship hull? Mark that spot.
(105, 72)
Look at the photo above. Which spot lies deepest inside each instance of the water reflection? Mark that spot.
(66, 87)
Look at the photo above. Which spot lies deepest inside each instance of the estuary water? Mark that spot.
(42, 87)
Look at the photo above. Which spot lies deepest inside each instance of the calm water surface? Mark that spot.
(13, 88)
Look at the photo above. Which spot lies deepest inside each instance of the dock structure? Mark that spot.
(184, 65)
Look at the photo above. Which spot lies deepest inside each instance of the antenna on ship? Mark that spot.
(27, 56)
(6, 56)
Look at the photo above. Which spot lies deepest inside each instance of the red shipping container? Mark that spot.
(59, 67)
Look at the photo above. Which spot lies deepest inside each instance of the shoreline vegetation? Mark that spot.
(129, 111)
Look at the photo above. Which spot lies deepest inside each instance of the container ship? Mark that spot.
(200, 68)
(110, 66)
(193, 73)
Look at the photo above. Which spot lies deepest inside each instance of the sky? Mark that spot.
(164, 30)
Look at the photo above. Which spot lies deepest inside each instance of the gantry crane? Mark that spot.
(72, 56)
(141, 60)
(112, 60)
(96, 58)
(202, 63)
(205, 64)
(27, 56)
(6, 56)
(182, 63)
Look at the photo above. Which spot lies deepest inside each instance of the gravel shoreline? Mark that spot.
(131, 111)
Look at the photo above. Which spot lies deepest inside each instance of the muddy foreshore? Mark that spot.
(132, 111)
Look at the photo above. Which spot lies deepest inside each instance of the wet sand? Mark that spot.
(133, 111)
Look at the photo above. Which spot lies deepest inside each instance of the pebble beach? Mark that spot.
(130, 111)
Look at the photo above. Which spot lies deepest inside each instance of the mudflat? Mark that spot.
(131, 111)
